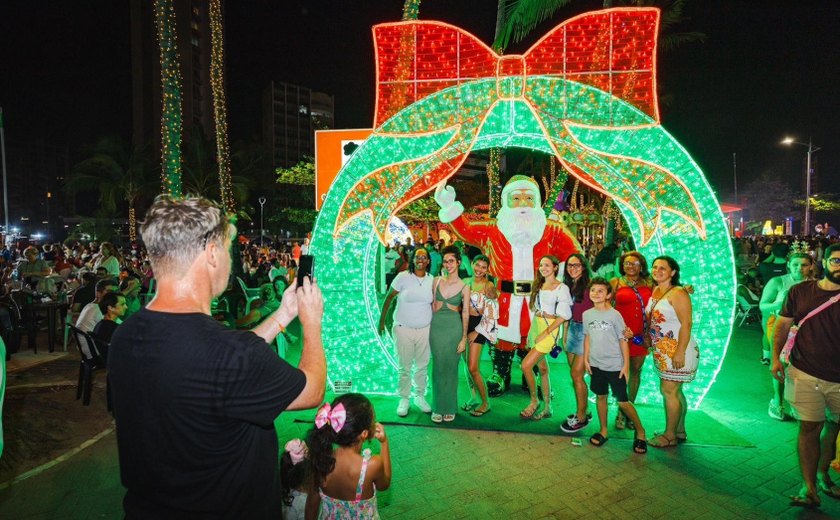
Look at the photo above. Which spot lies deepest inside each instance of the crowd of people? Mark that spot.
(189, 375)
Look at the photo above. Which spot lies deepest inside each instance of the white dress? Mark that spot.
(664, 335)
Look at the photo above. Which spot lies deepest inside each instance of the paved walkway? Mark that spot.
(476, 474)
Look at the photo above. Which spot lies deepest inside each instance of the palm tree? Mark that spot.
(200, 172)
(118, 173)
(522, 16)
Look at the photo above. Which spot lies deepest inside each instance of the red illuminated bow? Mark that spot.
(612, 50)
(334, 416)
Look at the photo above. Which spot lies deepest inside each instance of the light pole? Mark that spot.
(262, 205)
(811, 149)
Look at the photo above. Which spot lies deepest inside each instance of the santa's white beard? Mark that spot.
(522, 227)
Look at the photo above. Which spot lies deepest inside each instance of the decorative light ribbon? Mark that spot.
(334, 416)
(588, 82)
(297, 450)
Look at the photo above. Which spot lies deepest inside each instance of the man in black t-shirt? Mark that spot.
(194, 402)
(812, 380)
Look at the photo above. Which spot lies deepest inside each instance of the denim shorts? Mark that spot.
(574, 338)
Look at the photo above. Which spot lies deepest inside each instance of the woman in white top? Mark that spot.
(551, 305)
(108, 260)
(413, 291)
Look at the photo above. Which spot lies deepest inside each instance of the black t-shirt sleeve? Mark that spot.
(260, 384)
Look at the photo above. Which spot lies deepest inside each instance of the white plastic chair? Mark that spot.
(747, 305)
(250, 295)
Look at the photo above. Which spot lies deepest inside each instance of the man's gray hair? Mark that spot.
(176, 230)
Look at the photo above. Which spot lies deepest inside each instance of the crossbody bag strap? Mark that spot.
(649, 314)
(642, 306)
(828, 303)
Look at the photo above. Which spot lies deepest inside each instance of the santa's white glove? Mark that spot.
(450, 209)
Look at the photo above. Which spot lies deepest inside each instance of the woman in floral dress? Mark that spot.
(675, 353)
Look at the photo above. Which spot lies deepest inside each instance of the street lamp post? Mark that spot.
(262, 205)
(811, 149)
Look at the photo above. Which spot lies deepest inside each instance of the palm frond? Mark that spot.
(670, 42)
(522, 16)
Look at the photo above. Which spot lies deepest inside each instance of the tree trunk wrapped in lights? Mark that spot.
(170, 82)
(217, 82)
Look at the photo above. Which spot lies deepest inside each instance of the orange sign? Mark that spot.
(333, 148)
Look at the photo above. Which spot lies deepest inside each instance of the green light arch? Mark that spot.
(620, 149)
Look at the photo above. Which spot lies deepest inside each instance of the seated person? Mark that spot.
(91, 314)
(113, 307)
(86, 293)
(270, 302)
(130, 288)
(32, 269)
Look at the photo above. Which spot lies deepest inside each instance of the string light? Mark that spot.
(585, 94)
(170, 82)
(132, 225)
(217, 84)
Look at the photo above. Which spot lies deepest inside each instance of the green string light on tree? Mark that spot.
(170, 82)
(217, 83)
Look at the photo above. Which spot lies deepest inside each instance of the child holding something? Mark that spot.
(347, 478)
(606, 357)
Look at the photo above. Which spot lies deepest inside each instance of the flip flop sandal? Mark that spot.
(640, 446)
(545, 413)
(669, 443)
(619, 421)
(680, 440)
(528, 412)
(828, 487)
(479, 413)
(806, 501)
(469, 406)
(598, 440)
(437, 418)
(448, 417)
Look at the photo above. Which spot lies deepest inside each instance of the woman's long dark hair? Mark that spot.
(577, 288)
(539, 280)
(359, 418)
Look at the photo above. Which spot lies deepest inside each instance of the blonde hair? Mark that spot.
(175, 231)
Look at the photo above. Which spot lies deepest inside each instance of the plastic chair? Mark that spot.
(747, 307)
(251, 295)
(93, 353)
(146, 298)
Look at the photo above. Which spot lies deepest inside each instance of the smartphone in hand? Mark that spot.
(307, 263)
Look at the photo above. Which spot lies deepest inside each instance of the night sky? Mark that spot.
(767, 69)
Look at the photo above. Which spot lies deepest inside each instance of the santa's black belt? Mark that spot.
(517, 287)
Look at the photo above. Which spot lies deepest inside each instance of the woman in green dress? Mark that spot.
(448, 335)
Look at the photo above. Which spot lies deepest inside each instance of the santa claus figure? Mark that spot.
(514, 241)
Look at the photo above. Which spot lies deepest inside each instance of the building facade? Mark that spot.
(291, 114)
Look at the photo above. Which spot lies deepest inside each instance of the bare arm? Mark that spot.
(385, 306)
(465, 316)
(308, 302)
(682, 306)
(586, 347)
(382, 479)
(780, 333)
(769, 295)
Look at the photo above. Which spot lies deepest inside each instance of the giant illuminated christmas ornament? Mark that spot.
(586, 93)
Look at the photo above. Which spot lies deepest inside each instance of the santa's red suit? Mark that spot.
(511, 266)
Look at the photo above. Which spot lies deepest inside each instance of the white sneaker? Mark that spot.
(420, 402)
(402, 409)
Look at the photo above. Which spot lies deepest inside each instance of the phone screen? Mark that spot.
(305, 269)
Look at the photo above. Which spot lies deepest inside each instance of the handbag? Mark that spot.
(784, 355)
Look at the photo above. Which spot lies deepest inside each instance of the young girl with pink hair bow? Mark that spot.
(346, 477)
